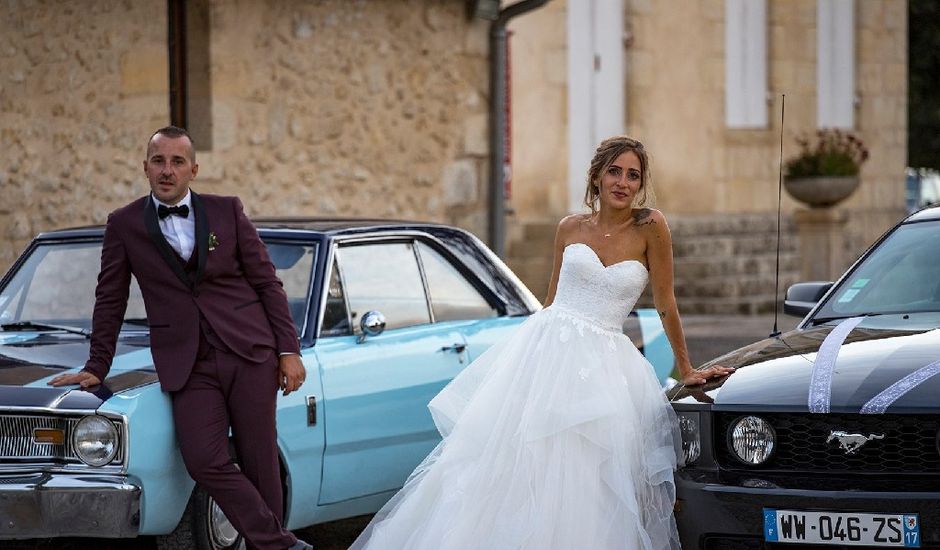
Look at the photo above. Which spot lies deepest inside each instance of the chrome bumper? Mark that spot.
(68, 505)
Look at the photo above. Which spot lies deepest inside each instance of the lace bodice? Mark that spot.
(602, 295)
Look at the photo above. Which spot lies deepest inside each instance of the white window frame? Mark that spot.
(596, 85)
(746, 64)
(835, 64)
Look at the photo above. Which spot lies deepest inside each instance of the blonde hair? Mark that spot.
(605, 155)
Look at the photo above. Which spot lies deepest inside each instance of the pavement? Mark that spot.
(707, 337)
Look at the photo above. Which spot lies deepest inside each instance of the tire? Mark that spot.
(202, 527)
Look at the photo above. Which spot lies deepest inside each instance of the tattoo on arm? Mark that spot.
(662, 314)
(643, 217)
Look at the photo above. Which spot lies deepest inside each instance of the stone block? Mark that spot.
(895, 17)
(556, 67)
(476, 135)
(144, 70)
(224, 125)
(476, 39)
(460, 183)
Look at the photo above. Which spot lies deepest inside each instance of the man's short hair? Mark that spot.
(174, 132)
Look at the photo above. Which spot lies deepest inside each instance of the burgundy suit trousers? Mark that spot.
(225, 390)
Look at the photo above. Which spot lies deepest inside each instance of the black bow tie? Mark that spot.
(181, 211)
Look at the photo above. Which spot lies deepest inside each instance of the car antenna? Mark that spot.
(783, 105)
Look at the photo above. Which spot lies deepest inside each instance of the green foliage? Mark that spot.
(833, 153)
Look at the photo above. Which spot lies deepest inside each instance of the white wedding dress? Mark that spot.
(558, 438)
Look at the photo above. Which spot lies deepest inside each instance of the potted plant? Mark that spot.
(825, 171)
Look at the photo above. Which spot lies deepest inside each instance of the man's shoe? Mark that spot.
(300, 545)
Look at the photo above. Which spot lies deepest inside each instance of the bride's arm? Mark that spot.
(565, 227)
(659, 256)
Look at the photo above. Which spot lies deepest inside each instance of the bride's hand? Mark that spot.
(696, 377)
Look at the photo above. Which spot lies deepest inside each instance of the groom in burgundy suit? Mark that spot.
(221, 333)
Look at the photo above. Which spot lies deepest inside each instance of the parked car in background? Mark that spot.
(387, 313)
(827, 436)
(922, 188)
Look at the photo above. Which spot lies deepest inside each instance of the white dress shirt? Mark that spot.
(180, 232)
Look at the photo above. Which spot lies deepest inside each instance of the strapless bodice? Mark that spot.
(601, 295)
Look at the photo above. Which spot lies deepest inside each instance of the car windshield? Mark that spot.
(55, 286)
(901, 276)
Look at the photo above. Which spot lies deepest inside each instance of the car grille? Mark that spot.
(910, 444)
(17, 445)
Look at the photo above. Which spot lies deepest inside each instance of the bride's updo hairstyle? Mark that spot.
(605, 155)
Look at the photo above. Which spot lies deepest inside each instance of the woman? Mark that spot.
(560, 437)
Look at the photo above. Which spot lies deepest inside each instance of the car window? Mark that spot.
(453, 297)
(294, 264)
(902, 275)
(56, 284)
(335, 314)
(489, 269)
(383, 277)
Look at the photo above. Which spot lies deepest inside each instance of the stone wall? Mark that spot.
(676, 79)
(538, 42)
(703, 171)
(331, 108)
(82, 86)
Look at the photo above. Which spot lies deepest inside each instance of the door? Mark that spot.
(376, 391)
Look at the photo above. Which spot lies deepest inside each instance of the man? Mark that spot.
(221, 333)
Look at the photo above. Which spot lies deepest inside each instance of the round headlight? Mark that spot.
(752, 439)
(95, 440)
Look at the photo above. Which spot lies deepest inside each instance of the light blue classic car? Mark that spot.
(388, 313)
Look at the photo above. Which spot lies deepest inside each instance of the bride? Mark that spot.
(560, 437)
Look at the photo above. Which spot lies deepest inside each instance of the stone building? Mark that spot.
(332, 107)
(381, 108)
(700, 83)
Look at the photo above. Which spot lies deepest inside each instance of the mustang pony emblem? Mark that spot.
(851, 443)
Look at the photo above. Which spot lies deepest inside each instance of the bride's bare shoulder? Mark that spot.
(643, 217)
(571, 224)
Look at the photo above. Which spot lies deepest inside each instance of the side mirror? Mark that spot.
(372, 324)
(803, 297)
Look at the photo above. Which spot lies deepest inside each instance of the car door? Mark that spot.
(460, 301)
(377, 388)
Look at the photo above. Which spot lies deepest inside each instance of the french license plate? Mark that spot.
(796, 526)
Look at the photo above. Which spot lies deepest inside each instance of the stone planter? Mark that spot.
(821, 191)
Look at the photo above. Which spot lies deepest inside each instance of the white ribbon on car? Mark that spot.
(879, 403)
(820, 386)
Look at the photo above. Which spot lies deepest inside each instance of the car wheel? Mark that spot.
(202, 527)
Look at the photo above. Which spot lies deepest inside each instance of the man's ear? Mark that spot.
(195, 169)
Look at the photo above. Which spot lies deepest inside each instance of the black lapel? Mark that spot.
(159, 241)
(202, 237)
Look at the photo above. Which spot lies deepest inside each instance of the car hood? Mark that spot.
(775, 373)
(28, 360)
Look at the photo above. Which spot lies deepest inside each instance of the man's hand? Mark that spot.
(291, 373)
(82, 378)
(696, 377)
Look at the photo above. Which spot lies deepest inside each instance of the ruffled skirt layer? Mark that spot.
(558, 438)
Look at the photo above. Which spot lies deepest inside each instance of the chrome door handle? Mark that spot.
(456, 348)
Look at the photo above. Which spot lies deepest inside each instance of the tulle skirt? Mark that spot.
(557, 438)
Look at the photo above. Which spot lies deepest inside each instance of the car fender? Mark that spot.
(154, 461)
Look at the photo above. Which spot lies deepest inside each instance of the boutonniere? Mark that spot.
(213, 241)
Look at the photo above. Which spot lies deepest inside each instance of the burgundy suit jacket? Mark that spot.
(234, 286)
